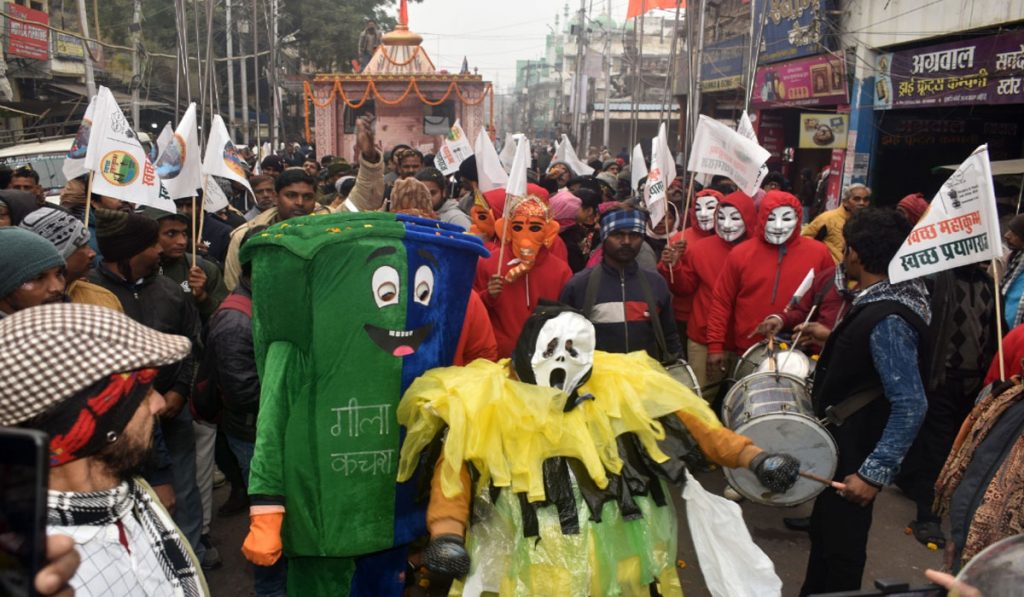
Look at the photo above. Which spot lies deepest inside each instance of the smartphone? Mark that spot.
(24, 480)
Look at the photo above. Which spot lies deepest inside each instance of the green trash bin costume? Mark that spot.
(348, 309)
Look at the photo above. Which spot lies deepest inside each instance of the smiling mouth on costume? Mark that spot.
(399, 343)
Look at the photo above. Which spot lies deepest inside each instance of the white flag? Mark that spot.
(508, 152)
(74, 163)
(120, 165)
(214, 198)
(662, 173)
(559, 150)
(516, 186)
(453, 151)
(490, 174)
(222, 157)
(802, 289)
(717, 149)
(960, 227)
(579, 167)
(178, 164)
(746, 128)
(166, 135)
(637, 167)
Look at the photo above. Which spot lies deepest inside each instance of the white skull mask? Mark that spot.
(705, 209)
(780, 225)
(564, 353)
(729, 223)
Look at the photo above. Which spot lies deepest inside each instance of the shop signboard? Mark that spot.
(722, 64)
(771, 134)
(815, 81)
(984, 70)
(27, 39)
(68, 47)
(794, 28)
(823, 131)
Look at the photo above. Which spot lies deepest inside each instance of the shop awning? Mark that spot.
(999, 168)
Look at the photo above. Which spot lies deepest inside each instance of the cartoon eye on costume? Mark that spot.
(385, 286)
(424, 285)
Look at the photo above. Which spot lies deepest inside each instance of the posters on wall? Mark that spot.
(28, 40)
(814, 81)
(823, 131)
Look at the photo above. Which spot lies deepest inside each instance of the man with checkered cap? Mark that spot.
(88, 382)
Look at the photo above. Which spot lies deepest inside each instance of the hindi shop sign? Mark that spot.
(722, 64)
(816, 81)
(961, 225)
(984, 70)
(27, 40)
(794, 28)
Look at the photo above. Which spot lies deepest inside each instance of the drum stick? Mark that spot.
(796, 341)
(833, 484)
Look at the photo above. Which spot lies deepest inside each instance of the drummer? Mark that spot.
(693, 269)
(759, 276)
(833, 297)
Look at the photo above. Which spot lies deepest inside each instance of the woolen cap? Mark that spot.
(121, 235)
(23, 256)
(64, 230)
(51, 352)
(1017, 225)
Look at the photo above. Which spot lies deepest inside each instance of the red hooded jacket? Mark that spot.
(510, 309)
(759, 278)
(496, 199)
(682, 304)
(696, 273)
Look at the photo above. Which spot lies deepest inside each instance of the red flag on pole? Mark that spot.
(639, 7)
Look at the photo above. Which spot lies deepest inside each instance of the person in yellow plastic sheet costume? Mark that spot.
(566, 453)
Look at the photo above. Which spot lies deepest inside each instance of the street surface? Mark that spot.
(891, 553)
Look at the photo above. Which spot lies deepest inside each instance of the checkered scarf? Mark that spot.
(130, 498)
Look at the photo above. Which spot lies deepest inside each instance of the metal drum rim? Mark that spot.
(728, 395)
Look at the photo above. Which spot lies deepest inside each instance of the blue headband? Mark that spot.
(622, 219)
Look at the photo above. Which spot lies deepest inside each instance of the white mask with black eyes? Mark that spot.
(729, 223)
(780, 225)
(564, 353)
(705, 209)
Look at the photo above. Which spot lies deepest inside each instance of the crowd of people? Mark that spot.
(131, 330)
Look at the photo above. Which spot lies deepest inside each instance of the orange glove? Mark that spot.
(263, 544)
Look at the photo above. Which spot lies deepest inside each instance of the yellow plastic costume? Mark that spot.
(506, 430)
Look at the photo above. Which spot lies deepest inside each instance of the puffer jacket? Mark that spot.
(229, 340)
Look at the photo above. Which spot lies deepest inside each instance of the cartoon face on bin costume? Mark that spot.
(348, 309)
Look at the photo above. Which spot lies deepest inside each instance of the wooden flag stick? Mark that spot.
(833, 484)
(796, 340)
(999, 321)
(202, 210)
(193, 230)
(689, 200)
(88, 199)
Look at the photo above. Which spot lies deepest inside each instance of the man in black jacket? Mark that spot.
(630, 307)
(131, 259)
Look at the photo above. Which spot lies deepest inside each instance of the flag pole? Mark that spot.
(202, 208)
(88, 199)
(689, 201)
(999, 321)
(193, 230)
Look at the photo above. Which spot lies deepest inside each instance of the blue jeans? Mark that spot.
(269, 581)
(181, 446)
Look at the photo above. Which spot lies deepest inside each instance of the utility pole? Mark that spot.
(578, 84)
(232, 123)
(256, 72)
(136, 76)
(606, 136)
(244, 72)
(278, 134)
(90, 77)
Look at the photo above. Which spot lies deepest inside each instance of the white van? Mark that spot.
(47, 159)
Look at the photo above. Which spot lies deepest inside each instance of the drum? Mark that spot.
(756, 360)
(774, 410)
(683, 373)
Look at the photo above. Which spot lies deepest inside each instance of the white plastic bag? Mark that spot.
(732, 564)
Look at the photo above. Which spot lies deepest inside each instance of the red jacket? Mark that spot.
(510, 309)
(1013, 353)
(759, 278)
(682, 304)
(477, 338)
(695, 274)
